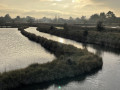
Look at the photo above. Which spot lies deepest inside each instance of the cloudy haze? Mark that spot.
(62, 8)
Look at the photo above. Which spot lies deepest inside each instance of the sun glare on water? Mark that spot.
(61, 40)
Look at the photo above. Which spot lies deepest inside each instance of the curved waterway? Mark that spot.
(106, 79)
(17, 52)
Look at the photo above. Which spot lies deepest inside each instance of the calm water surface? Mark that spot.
(16, 51)
(61, 28)
(106, 79)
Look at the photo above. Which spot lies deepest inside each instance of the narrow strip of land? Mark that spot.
(107, 38)
(70, 62)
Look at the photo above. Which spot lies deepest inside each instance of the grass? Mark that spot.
(70, 62)
(106, 38)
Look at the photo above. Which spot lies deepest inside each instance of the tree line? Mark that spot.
(7, 19)
(107, 18)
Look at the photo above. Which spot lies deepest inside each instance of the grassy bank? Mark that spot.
(106, 38)
(70, 62)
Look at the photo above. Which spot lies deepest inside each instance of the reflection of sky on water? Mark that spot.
(61, 28)
(61, 40)
(16, 51)
(106, 79)
(55, 38)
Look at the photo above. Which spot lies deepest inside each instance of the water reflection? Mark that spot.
(106, 79)
(105, 49)
(61, 28)
(61, 40)
(55, 38)
(16, 51)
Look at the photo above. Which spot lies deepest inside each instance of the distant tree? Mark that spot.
(71, 20)
(23, 20)
(17, 19)
(100, 26)
(77, 20)
(95, 18)
(61, 20)
(83, 19)
(7, 18)
(55, 20)
(2, 20)
(110, 14)
(102, 16)
(111, 17)
(30, 19)
(44, 19)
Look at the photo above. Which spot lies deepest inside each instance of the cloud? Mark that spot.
(109, 3)
(64, 8)
(35, 13)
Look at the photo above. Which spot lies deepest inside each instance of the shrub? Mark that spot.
(100, 26)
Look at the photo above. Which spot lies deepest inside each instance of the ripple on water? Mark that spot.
(16, 51)
(106, 79)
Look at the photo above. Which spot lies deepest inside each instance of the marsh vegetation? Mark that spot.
(94, 35)
(69, 58)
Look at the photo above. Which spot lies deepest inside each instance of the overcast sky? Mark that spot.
(62, 8)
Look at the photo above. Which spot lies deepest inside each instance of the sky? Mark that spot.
(61, 8)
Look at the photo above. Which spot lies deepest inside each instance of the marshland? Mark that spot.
(60, 53)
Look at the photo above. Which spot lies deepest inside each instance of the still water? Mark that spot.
(106, 79)
(60, 28)
(16, 51)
